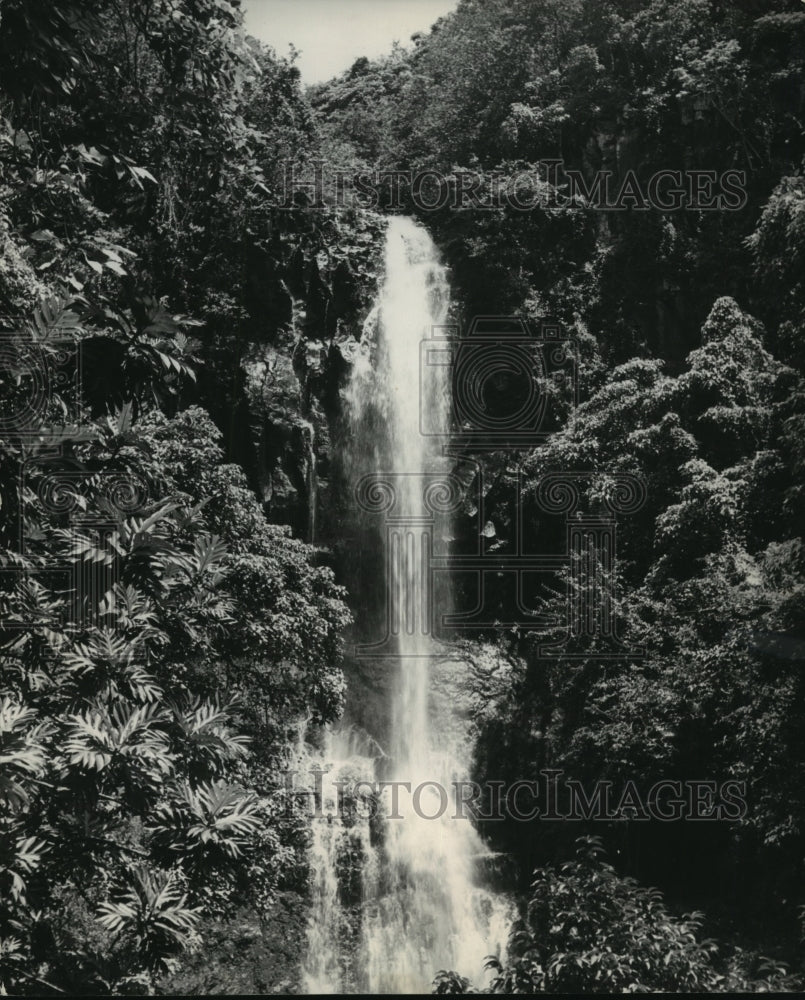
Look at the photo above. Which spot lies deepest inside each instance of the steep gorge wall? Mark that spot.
(308, 319)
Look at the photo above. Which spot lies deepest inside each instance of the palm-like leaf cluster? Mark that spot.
(211, 821)
(151, 914)
(22, 754)
(110, 758)
(128, 785)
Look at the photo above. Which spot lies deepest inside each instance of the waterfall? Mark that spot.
(311, 481)
(418, 905)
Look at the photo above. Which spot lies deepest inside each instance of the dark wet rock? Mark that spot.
(346, 295)
(295, 274)
(309, 317)
(317, 301)
(267, 298)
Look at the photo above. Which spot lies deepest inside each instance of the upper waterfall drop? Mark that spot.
(421, 908)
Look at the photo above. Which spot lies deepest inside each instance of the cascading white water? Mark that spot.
(420, 908)
(309, 432)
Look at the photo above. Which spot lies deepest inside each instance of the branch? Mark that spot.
(134, 851)
(36, 979)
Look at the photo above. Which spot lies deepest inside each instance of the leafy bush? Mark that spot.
(588, 930)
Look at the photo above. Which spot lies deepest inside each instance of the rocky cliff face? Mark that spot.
(307, 319)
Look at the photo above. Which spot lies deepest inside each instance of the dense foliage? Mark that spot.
(588, 930)
(173, 330)
(160, 640)
(689, 328)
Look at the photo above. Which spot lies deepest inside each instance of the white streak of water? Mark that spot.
(421, 906)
